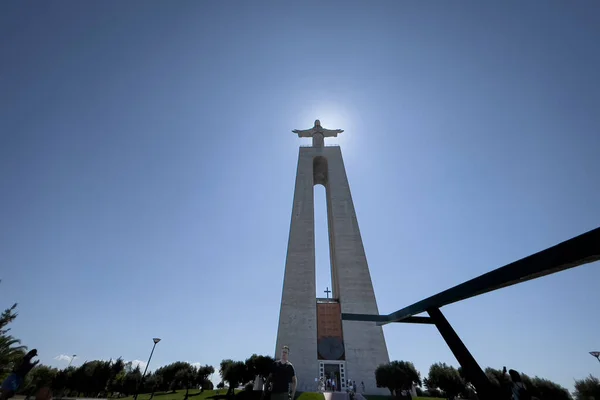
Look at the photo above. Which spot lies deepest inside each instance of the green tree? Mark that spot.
(447, 379)
(131, 381)
(152, 383)
(168, 372)
(63, 381)
(202, 375)
(397, 376)
(232, 372)
(185, 378)
(541, 388)
(545, 389)
(101, 373)
(11, 350)
(118, 383)
(83, 379)
(499, 380)
(38, 377)
(92, 378)
(59, 382)
(587, 388)
(384, 377)
(258, 366)
(470, 392)
(115, 369)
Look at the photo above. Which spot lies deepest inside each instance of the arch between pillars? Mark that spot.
(321, 177)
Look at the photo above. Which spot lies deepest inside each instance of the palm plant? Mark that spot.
(11, 350)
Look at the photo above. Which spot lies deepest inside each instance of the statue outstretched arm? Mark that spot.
(331, 132)
(304, 132)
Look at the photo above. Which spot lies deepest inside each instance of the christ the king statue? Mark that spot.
(317, 133)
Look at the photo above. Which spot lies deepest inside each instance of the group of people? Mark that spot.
(353, 388)
(13, 382)
(331, 384)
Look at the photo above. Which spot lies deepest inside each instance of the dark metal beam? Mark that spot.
(471, 369)
(383, 318)
(364, 317)
(577, 251)
(417, 320)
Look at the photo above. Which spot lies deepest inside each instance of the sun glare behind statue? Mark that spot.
(332, 116)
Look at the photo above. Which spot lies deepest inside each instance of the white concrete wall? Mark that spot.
(364, 341)
(298, 314)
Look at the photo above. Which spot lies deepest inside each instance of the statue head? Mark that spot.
(317, 122)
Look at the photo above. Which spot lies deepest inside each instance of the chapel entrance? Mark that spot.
(330, 372)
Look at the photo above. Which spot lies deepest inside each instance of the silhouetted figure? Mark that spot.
(13, 382)
(519, 391)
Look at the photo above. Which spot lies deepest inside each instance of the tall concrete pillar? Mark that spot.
(320, 342)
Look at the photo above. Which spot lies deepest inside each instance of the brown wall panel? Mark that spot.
(329, 320)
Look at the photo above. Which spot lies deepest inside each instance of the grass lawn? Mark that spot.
(309, 396)
(207, 394)
(178, 395)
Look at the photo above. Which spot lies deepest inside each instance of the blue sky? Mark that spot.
(147, 170)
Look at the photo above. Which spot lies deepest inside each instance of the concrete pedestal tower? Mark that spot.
(321, 344)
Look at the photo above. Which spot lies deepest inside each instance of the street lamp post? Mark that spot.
(71, 360)
(155, 340)
(596, 354)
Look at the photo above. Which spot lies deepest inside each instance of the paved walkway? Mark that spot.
(336, 396)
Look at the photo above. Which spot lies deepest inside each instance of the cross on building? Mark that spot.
(327, 291)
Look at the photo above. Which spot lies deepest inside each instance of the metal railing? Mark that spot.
(325, 300)
(327, 145)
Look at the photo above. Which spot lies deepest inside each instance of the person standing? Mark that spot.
(282, 378)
